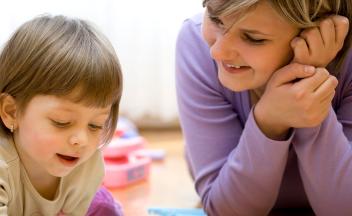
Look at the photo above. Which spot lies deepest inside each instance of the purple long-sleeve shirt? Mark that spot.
(237, 169)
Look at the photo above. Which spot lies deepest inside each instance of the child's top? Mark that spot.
(237, 169)
(19, 197)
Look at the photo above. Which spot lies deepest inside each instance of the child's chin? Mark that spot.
(62, 173)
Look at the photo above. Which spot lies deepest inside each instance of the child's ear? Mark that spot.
(8, 110)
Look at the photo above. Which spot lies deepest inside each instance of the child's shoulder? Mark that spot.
(8, 153)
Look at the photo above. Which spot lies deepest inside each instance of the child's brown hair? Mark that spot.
(54, 55)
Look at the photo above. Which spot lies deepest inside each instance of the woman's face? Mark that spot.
(249, 49)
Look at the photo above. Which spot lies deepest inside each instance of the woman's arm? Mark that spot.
(325, 154)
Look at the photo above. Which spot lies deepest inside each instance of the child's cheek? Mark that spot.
(45, 143)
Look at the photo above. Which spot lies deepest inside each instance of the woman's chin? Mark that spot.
(233, 85)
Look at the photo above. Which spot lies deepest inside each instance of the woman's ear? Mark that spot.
(8, 110)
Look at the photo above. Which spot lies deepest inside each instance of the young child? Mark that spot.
(61, 85)
(264, 91)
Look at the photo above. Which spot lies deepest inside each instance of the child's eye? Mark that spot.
(60, 124)
(253, 40)
(95, 127)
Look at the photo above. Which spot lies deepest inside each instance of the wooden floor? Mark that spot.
(169, 184)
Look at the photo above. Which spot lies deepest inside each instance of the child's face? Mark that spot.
(55, 135)
(253, 47)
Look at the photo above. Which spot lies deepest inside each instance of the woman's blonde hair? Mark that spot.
(301, 13)
(54, 55)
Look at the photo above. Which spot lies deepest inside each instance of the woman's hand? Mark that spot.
(296, 96)
(319, 45)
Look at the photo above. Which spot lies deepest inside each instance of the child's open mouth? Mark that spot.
(67, 160)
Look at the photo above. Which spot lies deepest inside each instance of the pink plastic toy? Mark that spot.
(125, 171)
(123, 166)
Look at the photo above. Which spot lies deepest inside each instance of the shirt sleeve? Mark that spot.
(237, 170)
(4, 190)
(325, 155)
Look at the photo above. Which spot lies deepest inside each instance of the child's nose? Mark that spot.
(79, 138)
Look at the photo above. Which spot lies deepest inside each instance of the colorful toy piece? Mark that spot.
(123, 166)
(175, 211)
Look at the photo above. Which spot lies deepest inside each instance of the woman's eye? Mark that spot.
(216, 21)
(60, 124)
(95, 127)
(254, 40)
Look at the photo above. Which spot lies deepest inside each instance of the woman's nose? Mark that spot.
(224, 48)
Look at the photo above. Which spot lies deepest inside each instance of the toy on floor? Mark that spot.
(176, 212)
(123, 164)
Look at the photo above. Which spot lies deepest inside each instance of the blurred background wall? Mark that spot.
(143, 33)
